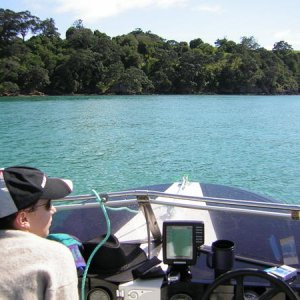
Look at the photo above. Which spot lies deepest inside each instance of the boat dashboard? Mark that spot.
(180, 229)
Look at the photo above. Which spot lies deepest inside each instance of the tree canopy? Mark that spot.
(34, 59)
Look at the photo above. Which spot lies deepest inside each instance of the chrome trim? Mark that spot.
(212, 204)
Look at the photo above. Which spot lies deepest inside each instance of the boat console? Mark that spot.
(174, 254)
(184, 274)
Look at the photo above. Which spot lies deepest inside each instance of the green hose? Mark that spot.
(102, 242)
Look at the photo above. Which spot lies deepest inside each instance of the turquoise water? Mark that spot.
(116, 142)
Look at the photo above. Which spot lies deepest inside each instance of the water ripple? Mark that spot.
(116, 142)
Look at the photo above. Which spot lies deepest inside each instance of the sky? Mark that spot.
(268, 21)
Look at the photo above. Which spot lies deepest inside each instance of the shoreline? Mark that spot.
(40, 94)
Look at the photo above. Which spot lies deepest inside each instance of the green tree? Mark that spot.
(277, 78)
(196, 43)
(80, 38)
(48, 29)
(35, 79)
(226, 46)
(27, 22)
(110, 76)
(161, 82)
(282, 46)
(9, 69)
(8, 88)
(9, 25)
(79, 73)
(132, 81)
(13, 24)
(135, 63)
(249, 43)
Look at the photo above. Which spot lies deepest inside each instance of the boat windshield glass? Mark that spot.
(262, 238)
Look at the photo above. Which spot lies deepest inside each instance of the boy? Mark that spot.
(32, 267)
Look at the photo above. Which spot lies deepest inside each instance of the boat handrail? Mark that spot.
(212, 203)
(227, 201)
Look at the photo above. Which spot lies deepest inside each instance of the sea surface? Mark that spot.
(111, 143)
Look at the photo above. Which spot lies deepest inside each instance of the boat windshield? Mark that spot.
(263, 232)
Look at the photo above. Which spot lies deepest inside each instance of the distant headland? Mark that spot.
(34, 60)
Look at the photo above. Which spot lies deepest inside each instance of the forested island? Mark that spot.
(35, 60)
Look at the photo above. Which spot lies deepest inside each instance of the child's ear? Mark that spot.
(21, 221)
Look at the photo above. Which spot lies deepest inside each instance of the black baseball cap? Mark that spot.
(22, 187)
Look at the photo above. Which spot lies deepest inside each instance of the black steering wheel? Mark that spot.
(276, 285)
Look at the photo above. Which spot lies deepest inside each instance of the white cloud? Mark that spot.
(169, 3)
(209, 8)
(94, 10)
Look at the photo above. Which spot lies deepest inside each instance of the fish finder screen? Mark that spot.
(182, 240)
(179, 241)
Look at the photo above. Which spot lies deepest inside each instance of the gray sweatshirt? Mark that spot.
(34, 268)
